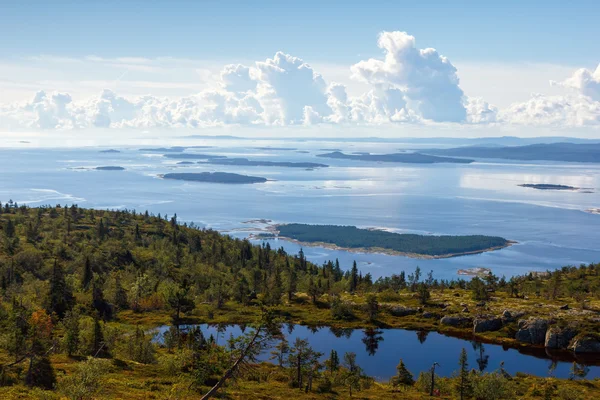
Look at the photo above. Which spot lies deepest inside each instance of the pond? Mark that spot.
(379, 351)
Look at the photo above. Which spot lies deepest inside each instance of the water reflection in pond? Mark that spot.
(379, 350)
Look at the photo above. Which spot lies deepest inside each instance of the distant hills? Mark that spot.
(570, 152)
(416, 158)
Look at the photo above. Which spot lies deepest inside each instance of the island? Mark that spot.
(569, 152)
(192, 156)
(214, 177)
(109, 151)
(275, 148)
(415, 158)
(373, 240)
(251, 163)
(185, 163)
(173, 149)
(547, 186)
(110, 168)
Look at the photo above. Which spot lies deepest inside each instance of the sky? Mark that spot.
(428, 65)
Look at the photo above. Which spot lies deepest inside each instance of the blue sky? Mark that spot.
(333, 31)
(508, 65)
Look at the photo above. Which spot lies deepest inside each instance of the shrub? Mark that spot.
(341, 310)
(493, 386)
(85, 381)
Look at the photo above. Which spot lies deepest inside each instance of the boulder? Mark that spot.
(428, 314)
(559, 338)
(586, 344)
(455, 320)
(565, 307)
(487, 325)
(532, 331)
(511, 316)
(480, 304)
(465, 310)
(403, 311)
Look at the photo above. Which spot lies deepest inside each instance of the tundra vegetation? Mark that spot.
(82, 289)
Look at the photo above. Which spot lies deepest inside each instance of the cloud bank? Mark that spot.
(407, 84)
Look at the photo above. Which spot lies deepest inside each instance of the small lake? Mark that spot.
(379, 351)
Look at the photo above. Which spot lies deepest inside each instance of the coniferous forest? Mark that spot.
(82, 290)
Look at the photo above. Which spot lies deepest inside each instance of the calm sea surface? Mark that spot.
(551, 227)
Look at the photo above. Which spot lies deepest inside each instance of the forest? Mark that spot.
(82, 289)
(352, 237)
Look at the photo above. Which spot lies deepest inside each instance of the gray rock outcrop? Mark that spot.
(487, 325)
(532, 331)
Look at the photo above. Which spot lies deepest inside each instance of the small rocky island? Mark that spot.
(413, 158)
(548, 186)
(215, 177)
(109, 151)
(373, 240)
(255, 163)
(110, 168)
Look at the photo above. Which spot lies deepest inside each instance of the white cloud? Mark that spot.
(575, 111)
(428, 79)
(585, 82)
(407, 85)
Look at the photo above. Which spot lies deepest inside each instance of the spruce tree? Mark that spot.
(60, 298)
(353, 278)
(403, 376)
(463, 385)
(88, 274)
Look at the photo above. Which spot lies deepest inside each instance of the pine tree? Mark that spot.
(98, 345)
(9, 229)
(120, 296)
(333, 364)
(60, 297)
(291, 284)
(463, 385)
(88, 274)
(372, 306)
(71, 337)
(354, 278)
(403, 376)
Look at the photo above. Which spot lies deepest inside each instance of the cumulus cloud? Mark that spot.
(406, 85)
(480, 111)
(428, 80)
(584, 82)
(574, 110)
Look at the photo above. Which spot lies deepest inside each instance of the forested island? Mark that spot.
(215, 177)
(547, 186)
(192, 156)
(351, 237)
(110, 168)
(254, 163)
(81, 291)
(570, 152)
(416, 158)
(172, 149)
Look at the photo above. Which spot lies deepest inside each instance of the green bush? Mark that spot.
(85, 381)
(493, 386)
